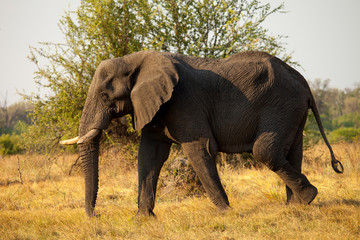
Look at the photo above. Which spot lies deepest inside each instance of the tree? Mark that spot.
(99, 30)
(213, 28)
(13, 120)
(319, 90)
(13, 116)
(4, 115)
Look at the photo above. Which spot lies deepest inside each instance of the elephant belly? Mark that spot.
(235, 134)
(227, 121)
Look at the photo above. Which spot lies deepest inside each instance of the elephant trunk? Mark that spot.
(93, 120)
(89, 155)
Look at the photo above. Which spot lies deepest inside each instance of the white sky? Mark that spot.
(324, 36)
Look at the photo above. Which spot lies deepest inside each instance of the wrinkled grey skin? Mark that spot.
(249, 102)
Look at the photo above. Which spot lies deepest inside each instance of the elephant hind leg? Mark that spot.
(202, 155)
(269, 149)
(295, 160)
(295, 157)
(299, 189)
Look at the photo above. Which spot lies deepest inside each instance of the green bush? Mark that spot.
(10, 144)
(347, 134)
(350, 120)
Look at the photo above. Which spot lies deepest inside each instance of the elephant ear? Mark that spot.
(153, 87)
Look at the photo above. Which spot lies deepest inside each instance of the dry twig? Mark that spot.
(74, 165)
(19, 169)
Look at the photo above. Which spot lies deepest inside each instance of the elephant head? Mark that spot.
(136, 84)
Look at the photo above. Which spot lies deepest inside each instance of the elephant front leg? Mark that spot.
(152, 155)
(202, 157)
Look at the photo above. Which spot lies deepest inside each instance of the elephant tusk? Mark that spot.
(89, 136)
(70, 141)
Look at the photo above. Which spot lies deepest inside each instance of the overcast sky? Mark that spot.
(324, 36)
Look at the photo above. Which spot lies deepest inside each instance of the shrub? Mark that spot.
(350, 120)
(347, 134)
(180, 174)
(10, 144)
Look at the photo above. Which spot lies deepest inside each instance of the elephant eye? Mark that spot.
(105, 96)
(112, 110)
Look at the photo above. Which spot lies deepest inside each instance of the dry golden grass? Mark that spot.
(48, 204)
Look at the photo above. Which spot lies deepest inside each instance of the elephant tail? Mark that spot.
(337, 166)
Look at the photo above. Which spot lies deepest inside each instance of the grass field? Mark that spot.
(39, 200)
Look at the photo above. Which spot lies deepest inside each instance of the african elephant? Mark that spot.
(249, 102)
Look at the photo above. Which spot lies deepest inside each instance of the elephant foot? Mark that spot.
(222, 204)
(308, 194)
(305, 196)
(223, 209)
(147, 213)
(299, 189)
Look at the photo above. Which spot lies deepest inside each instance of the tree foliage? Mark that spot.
(213, 28)
(104, 29)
